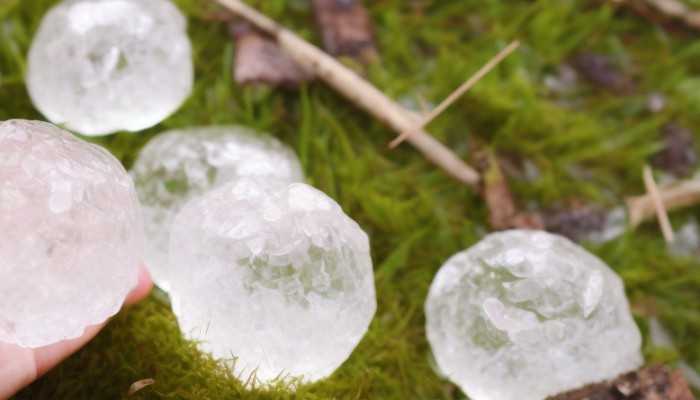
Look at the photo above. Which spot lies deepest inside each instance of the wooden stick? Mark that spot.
(359, 91)
(674, 196)
(658, 204)
(457, 93)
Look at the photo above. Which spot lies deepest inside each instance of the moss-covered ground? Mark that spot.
(588, 144)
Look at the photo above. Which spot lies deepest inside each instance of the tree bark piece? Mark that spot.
(345, 28)
(360, 92)
(259, 60)
(648, 383)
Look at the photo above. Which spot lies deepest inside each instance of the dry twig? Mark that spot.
(457, 93)
(658, 204)
(674, 196)
(359, 91)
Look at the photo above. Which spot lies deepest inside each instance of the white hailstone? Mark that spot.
(526, 314)
(281, 279)
(176, 166)
(101, 66)
(72, 234)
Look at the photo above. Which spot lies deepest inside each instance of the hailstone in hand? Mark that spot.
(72, 234)
(179, 165)
(281, 279)
(101, 66)
(526, 314)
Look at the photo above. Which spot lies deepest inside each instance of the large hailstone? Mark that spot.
(525, 314)
(281, 279)
(177, 166)
(101, 66)
(71, 238)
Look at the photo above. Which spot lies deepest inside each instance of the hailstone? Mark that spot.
(526, 314)
(101, 66)
(176, 166)
(281, 279)
(72, 234)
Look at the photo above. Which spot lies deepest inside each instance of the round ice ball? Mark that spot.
(71, 238)
(101, 66)
(176, 166)
(526, 314)
(281, 279)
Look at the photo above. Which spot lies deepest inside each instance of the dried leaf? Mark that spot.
(678, 156)
(664, 11)
(576, 221)
(648, 383)
(259, 60)
(138, 385)
(345, 29)
(502, 211)
(601, 71)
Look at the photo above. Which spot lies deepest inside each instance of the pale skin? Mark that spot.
(19, 366)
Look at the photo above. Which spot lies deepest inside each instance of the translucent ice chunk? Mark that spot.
(177, 166)
(72, 234)
(101, 66)
(277, 301)
(525, 315)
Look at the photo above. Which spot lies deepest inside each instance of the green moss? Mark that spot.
(593, 149)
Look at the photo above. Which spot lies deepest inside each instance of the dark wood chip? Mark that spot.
(575, 221)
(602, 72)
(260, 61)
(648, 383)
(345, 28)
(678, 156)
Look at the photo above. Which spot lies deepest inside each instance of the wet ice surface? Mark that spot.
(176, 166)
(279, 278)
(71, 238)
(525, 314)
(101, 66)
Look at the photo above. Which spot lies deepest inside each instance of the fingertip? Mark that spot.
(143, 287)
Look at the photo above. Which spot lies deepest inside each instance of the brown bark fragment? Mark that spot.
(345, 29)
(259, 60)
(648, 383)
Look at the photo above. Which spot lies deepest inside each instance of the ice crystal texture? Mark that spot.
(279, 278)
(101, 66)
(525, 314)
(177, 166)
(71, 238)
